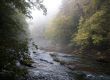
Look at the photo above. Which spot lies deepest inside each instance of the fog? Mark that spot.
(38, 23)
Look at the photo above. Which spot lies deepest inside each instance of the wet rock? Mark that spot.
(25, 63)
(80, 75)
(71, 67)
(46, 61)
(101, 59)
(34, 51)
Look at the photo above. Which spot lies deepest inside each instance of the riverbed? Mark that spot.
(61, 66)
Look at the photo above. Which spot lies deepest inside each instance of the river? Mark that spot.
(61, 66)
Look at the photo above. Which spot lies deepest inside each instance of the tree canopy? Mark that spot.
(14, 35)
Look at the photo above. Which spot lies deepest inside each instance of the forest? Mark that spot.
(82, 26)
(79, 36)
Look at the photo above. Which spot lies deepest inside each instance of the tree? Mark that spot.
(93, 31)
(14, 36)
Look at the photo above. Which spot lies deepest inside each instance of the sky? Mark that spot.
(52, 7)
(39, 21)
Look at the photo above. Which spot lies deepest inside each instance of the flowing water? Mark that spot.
(60, 66)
